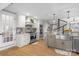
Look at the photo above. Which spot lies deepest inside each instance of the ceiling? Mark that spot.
(3, 5)
(45, 10)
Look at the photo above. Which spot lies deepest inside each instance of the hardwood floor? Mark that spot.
(36, 49)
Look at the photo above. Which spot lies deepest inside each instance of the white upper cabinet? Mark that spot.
(20, 21)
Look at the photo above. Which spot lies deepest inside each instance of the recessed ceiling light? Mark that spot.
(28, 14)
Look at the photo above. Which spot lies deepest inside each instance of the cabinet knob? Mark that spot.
(62, 42)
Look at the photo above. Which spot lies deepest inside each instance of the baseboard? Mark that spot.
(6, 47)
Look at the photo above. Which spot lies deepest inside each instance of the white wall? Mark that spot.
(45, 26)
(38, 29)
(0, 24)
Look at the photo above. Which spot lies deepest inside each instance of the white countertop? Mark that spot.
(23, 35)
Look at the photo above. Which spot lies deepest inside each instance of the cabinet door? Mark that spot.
(51, 41)
(22, 42)
(76, 45)
(59, 44)
(27, 39)
(67, 45)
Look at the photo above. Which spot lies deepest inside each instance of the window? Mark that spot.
(7, 25)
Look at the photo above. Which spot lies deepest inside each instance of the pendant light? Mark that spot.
(68, 14)
(54, 20)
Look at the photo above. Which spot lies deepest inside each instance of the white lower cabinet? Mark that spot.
(22, 40)
(64, 44)
(58, 43)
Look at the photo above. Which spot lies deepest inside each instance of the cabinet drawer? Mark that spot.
(59, 44)
(52, 44)
(65, 45)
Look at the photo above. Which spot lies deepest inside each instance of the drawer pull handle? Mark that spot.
(62, 42)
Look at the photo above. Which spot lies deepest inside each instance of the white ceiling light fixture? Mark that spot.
(27, 14)
(54, 18)
(68, 14)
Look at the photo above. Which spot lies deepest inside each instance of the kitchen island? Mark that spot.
(23, 39)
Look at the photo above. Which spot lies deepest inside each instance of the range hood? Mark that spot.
(29, 20)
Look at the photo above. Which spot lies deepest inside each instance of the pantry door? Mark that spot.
(8, 31)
